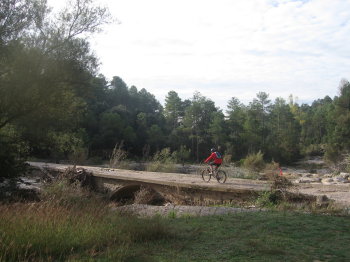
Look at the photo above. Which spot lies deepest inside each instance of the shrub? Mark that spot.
(342, 164)
(267, 199)
(313, 150)
(254, 162)
(227, 159)
(162, 161)
(332, 154)
(182, 154)
(13, 152)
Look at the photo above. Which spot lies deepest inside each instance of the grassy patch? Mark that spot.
(261, 236)
(72, 224)
(53, 233)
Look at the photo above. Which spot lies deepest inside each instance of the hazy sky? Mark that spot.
(227, 48)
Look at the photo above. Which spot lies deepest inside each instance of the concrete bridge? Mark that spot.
(122, 184)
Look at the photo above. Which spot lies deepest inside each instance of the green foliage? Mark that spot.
(255, 162)
(50, 94)
(46, 63)
(313, 150)
(268, 199)
(162, 161)
(182, 155)
(332, 154)
(13, 152)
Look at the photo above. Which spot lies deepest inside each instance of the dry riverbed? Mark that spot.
(318, 183)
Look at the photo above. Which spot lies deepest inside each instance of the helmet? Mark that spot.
(212, 150)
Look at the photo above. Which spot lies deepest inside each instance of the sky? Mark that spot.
(228, 48)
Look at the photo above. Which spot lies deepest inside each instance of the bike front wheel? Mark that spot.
(221, 176)
(206, 175)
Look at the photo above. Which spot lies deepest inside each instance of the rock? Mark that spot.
(344, 175)
(340, 179)
(327, 181)
(308, 180)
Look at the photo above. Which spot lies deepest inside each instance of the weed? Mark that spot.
(172, 214)
(162, 161)
(118, 155)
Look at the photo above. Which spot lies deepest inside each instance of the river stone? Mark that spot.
(344, 175)
(308, 180)
(340, 179)
(327, 181)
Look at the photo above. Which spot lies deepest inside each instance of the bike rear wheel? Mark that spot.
(206, 176)
(221, 176)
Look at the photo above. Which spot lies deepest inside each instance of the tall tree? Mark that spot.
(237, 116)
(197, 120)
(45, 64)
(173, 109)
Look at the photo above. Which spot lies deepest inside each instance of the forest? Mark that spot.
(55, 104)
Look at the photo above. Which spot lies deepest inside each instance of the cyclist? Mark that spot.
(215, 159)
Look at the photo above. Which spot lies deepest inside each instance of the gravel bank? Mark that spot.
(179, 211)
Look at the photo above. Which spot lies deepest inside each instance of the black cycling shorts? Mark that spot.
(214, 164)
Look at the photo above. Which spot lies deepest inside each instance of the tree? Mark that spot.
(284, 133)
(173, 109)
(198, 117)
(40, 65)
(255, 125)
(237, 116)
(45, 65)
(218, 129)
(341, 134)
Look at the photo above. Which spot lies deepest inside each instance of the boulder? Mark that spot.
(308, 180)
(327, 181)
(344, 175)
(340, 179)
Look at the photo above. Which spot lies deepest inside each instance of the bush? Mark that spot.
(254, 162)
(162, 161)
(313, 150)
(227, 159)
(332, 154)
(181, 155)
(267, 199)
(12, 156)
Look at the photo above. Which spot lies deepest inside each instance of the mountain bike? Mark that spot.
(219, 174)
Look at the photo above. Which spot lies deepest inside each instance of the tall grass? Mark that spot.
(162, 161)
(60, 229)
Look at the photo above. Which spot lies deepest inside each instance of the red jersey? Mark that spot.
(214, 158)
